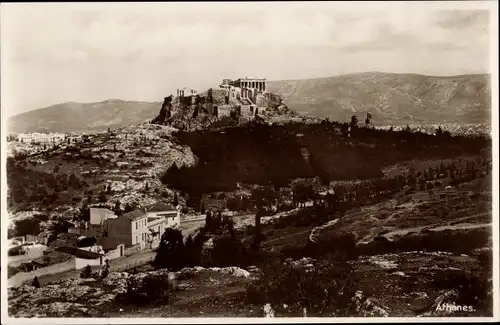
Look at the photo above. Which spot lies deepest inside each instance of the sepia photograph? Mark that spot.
(249, 161)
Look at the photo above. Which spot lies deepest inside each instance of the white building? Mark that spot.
(41, 137)
(142, 227)
(99, 215)
(185, 92)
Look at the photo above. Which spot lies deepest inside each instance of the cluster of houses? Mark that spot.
(44, 137)
(141, 228)
(115, 236)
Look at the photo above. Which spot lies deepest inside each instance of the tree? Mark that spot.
(208, 220)
(117, 209)
(28, 226)
(303, 193)
(102, 197)
(86, 272)
(60, 226)
(257, 237)
(84, 212)
(87, 242)
(35, 282)
(264, 196)
(354, 121)
(439, 131)
(171, 251)
(368, 118)
(175, 201)
(234, 203)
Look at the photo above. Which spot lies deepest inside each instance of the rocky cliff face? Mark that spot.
(211, 107)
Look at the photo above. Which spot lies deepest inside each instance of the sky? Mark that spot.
(88, 52)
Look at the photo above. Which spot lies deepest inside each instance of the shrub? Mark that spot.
(326, 290)
(342, 246)
(86, 272)
(87, 242)
(14, 251)
(11, 271)
(229, 251)
(148, 290)
(28, 226)
(36, 283)
(460, 242)
(473, 289)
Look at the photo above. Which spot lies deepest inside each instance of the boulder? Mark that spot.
(368, 307)
(304, 263)
(442, 305)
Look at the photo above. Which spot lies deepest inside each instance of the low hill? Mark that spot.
(81, 117)
(390, 98)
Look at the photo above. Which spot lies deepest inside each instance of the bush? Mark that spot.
(87, 242)
(14, 251)
(36, 283)
(342, 246)
(473, 289)
(229, 251)
(326, 290)
(28, 226)
(148, 290)
(459, 242)
(86, 272)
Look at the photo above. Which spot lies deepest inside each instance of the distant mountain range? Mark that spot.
(389, 98)
(84, 117)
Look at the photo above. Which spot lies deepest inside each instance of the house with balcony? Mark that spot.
(142, 227)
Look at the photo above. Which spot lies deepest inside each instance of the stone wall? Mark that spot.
(22, 277)
(133, 249)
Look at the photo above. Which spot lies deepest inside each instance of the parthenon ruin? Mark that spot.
(244, 88)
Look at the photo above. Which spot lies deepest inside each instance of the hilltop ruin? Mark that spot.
(238, 101)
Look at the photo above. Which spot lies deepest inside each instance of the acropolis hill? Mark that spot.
(239, 101)
(456, 100)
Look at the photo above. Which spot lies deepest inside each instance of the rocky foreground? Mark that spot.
(405, 284)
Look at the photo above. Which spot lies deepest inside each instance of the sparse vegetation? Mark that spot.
(146, 291)
(327, 289)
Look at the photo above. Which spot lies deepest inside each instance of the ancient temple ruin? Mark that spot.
(245, 89)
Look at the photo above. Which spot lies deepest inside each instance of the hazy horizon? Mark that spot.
(59, 53)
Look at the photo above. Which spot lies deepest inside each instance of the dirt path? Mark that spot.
(120, 264)
(461, 226)
(286, 236)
